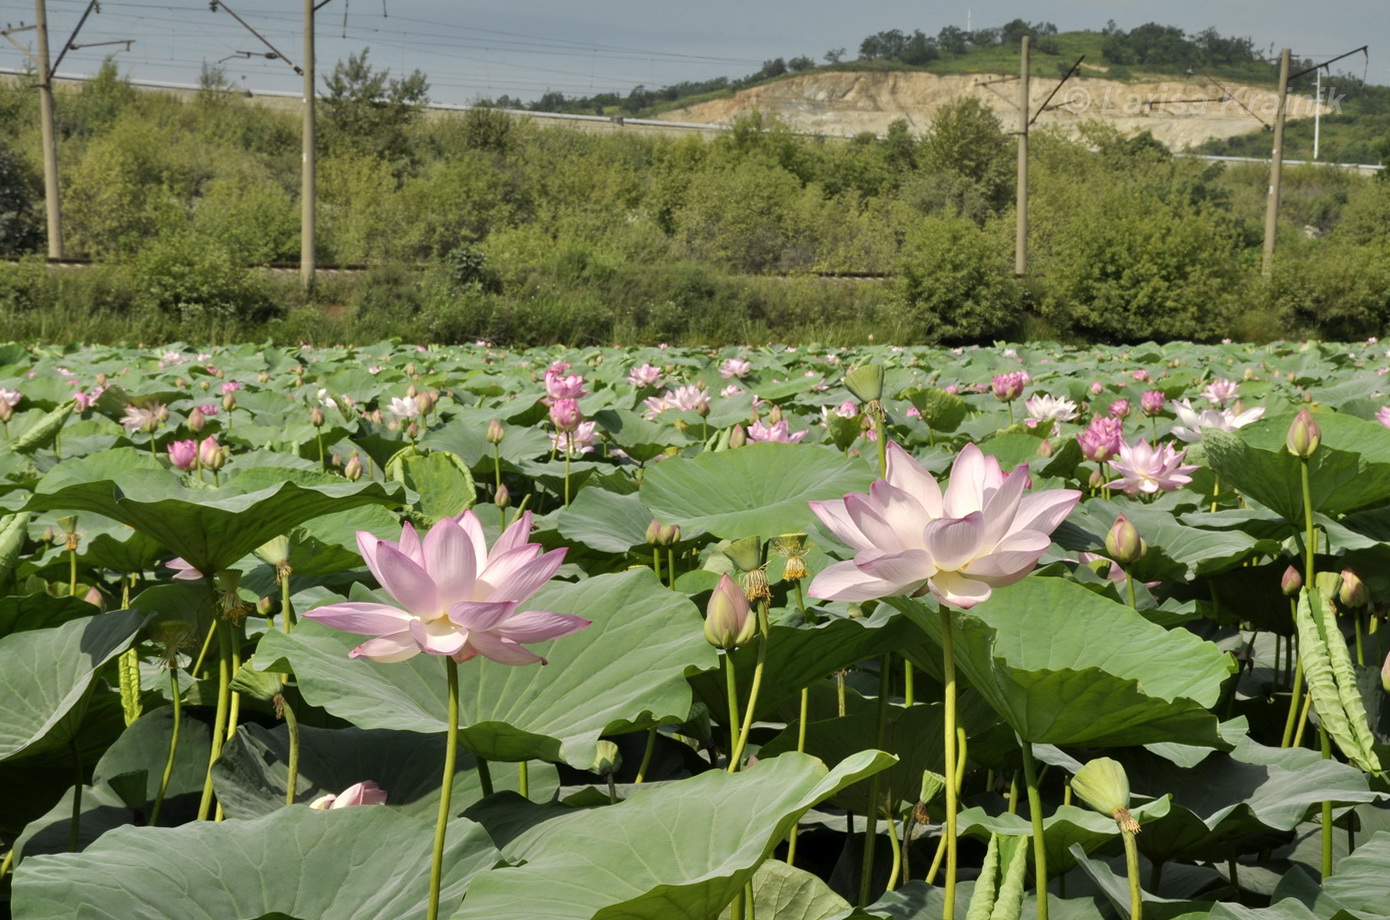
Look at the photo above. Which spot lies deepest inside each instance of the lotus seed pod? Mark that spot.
(745, 553)
(1304, 435)
(1103, 785)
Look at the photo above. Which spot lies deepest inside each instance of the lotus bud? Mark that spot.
(210, 454)
(47, 535)
(197, 421)
(738, 437)
(161, 412)
(1385, 675)
(1119, 408)
(6, 411)
(411, 392)
(424, 402)
(412, 431)
(495, 432)
(503, 497)
(729, 622)
(1103, 785)
(865, 382)
(1097, 479)
(1123, 543)
(1352, 593)
(1304, 435)
(1097, 388)
(410, 372)
(774, 416)
(267, 607)
(95, 598)
(352, 470)
(1291, 583)
(1151, 403)
(102, 378)
(335, 461)
(316, 416)
(262, 377)
(229, 402)
(1045, 448)
(181, 383)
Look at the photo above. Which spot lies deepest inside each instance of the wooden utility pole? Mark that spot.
(308, 194)
(1021, 232)
(50, 140)
(1276, 165)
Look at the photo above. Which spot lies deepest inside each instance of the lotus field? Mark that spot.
(808, 633)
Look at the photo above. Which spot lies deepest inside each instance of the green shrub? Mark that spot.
(954, 284)
(197, 281)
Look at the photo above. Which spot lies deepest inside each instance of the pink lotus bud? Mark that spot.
(1097, 388)
(161, 412)
(424, 402)
(1352, 593)
(1119, 409)
(364, 793)
(1008, 387)
(95, 598)
(729, 622)
(1140, 375)
(210, 454)
(1045, 448)
(229, 402)
(495, 432)
(738, 437)
(412, 431)
(503, 498)
(183, 454)
(352, 470)
(6, 411)
(1152, 402)
(411, 392)
(1291, 583)
(266, 607)
(565, 415)
(1123, 542)
(197, 421)
(316, 416)
(774, 416)
(1304, 435)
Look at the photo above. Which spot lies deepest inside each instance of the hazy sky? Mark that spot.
(486, 48)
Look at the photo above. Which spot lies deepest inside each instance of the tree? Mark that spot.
(966, 139)
(370, 112)
(798, 64)
(835, 55)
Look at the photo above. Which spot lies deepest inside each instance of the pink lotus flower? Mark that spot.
(1220, 392)
(1119, 409)
(735, 367)
(1102, 439)
(457, 597)
(404, 408)
(183, 454)
(580, 440)
(565, 414)
(138, 419)
(1383, 416)
(1008, 387)
(1140, 375)
(563, 386)
(1044, 408)
(364, 793)
(690, 398)
(1151, 403)
(909, 538)
(779, 431)
(1149, 469)
(183, 571)
(645, 376)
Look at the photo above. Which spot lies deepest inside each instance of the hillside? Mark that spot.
(1180, 114)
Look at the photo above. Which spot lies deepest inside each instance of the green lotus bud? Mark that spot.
(866, 382)
(729, 622)
(1304, 435)
(316, 416)
(1352, 593)
(1385, 675)
(229, 402)
(1103, 785)
(1123, 544)
(745, 553)
(738, 437)
(503, 497)
(197, 421)
(352, 470)
(607, 760)
(1291, 583)
(495, 432)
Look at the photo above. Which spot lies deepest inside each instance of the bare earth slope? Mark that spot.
(1179, 114)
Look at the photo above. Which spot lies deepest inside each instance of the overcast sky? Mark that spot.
(522, 48)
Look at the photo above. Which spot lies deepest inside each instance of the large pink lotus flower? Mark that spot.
(1150, 469)
(559, 385)
(1102, 438)
(364, 793)
(183, 454)
(910, 538)
(779, 431)
(645, 376)
(1220, 392)
(456, 596)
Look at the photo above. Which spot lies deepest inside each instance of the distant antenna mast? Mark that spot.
(968, 27)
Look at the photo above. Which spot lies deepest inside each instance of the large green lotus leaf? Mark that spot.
(1350, 470)
(362, 863)
(1064, 665)
(605, 521)
(209, 528)
(252, 774)
(45, 675)
(758, 489)
(440, 478)
(21, 612)
(626, 670)
(640, 858)
(1360, 879)
(798, 656)
(787, 893)
(640, 439)
(1065, 827)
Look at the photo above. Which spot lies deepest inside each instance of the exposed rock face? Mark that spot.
(1179, 114)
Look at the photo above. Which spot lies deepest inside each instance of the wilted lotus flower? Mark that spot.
(1102, 439)
(1149, 470)
(909, 538)
(364, 793)
(183, 454)
(457, 597)
(1103, 785)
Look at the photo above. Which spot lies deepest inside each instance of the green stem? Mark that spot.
(72, 573)
(446, 788)
(219, 720)
(567, 470)
(292, 729)
(800, 749)
(1030, 777)
(1297, 688)
(286, 609)
(318, 433)
(75, 827)
(897, 854)
(909, 682)
(671, 568)
(763, 629)
(1129, 585)
(173, 746)
(1326, 811)
(881, 441)
(1310, 544)
(948, 663)
(484, 775)
(7, 864)
(1136, 895)
(871, 826)
(523, 779)
(647, 754)
(1013, 793)
(731, 688)
(1356, 625)
(656, 562)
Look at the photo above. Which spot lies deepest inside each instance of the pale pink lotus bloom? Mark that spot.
(731, 390)
(1119, 409)
(1150, 469)
(9, 397)
(690, 398)
(1044, 408)
(183, 454)
(645, 376)
(655, 405)
(183, 571)
(580, 440)
(456, 597)
(1151, 403)
(1102, 438)
(565, 414)
(138, 419)
(1383, 416)
(780, 432)
(1220, 392)
(735, 367)
(404, 408)
(909, 538)
(1194, 422)
(363, 793)
(563, 386)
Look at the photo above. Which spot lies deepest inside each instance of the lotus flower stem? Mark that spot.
(323, 463)
(177, 696)
(286, 608)
(763, 629)
(7, 864)
(1297, 689)
(731, 685)
(446, 787)
(800, 749)
(567, 472)
(523, 779)
(948, 662)
(897, 853)
(1356, 627)
(484, 775)
(1302, 720)
(909, 680)
(1136, 894)
(1326, 741)
(647, 755)
(1310, 543)
(1013, 793)
(224, 701)
(656, 562)
(292, 730)
(75, 827)
(72, 572)
(871, 827)
(1030, 776)
(671, 568)
(203, 653)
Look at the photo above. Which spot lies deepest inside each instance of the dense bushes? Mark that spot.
(480, 226)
